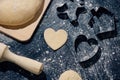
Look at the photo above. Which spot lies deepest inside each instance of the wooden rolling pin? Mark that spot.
(26, 63)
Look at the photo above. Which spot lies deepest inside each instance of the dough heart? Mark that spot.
(55, 39)
(18, 12)
(70, 75)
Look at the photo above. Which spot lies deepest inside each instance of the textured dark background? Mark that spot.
(56, 62)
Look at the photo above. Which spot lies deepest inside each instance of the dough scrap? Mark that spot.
(18, 12)
(70, 75)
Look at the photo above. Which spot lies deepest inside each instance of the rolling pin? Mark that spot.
(26, 63)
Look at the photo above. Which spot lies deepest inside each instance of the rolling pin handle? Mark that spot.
(26, 63)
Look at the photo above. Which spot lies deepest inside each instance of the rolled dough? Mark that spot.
(70, 75)
(18, 12)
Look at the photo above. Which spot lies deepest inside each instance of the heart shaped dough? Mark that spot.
(18, 12)
(55, 39)
(70, 75)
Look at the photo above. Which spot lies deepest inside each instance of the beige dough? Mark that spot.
(18, 12)
(55, 39)
(70, 75)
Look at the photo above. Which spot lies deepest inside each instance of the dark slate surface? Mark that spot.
(103, 66)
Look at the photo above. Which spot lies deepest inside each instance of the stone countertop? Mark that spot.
(102, 66)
